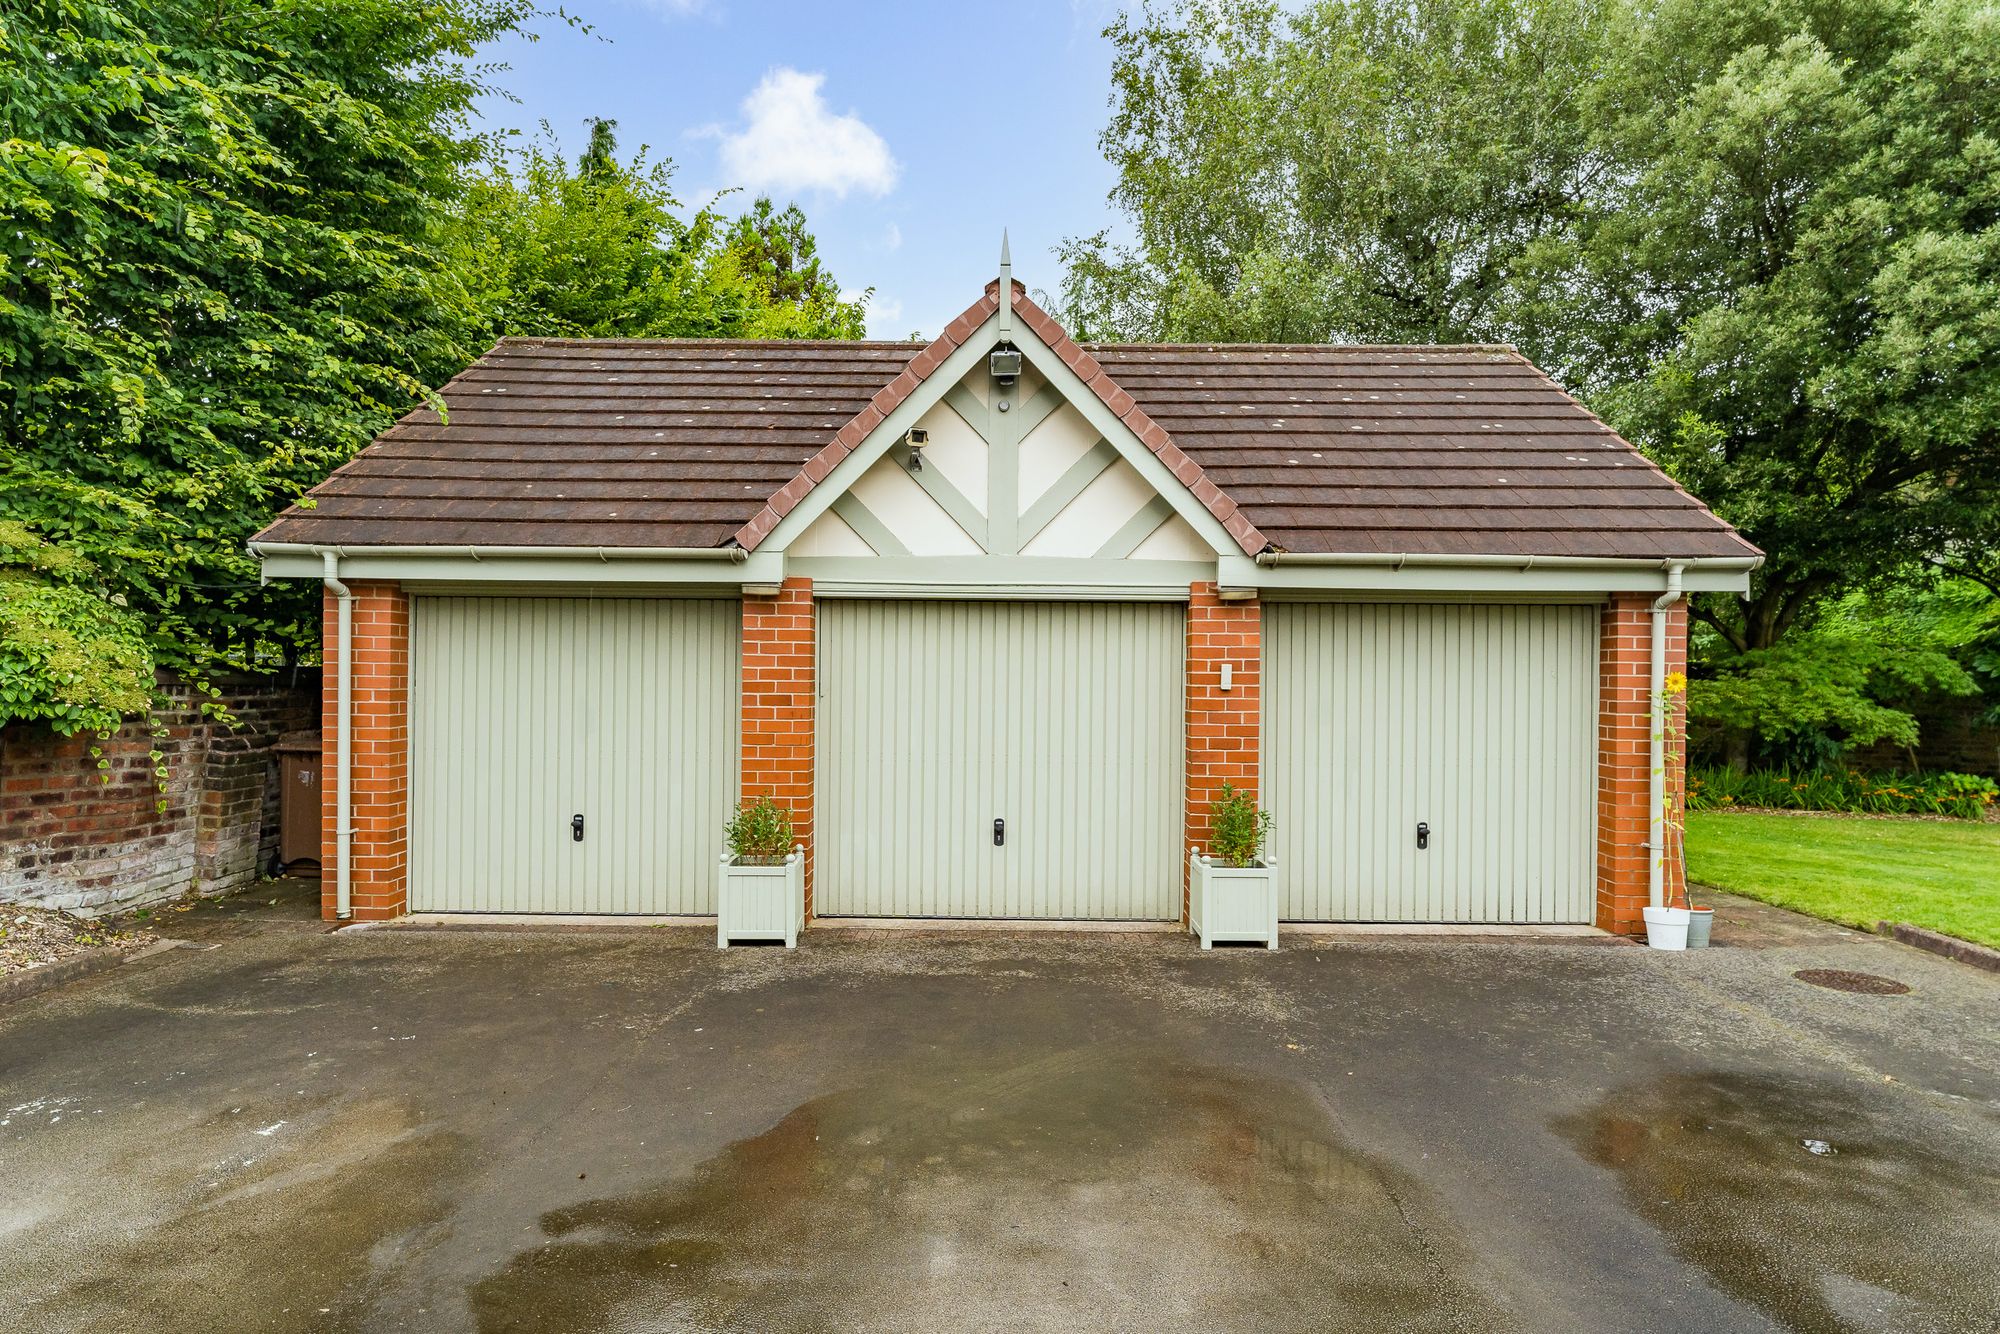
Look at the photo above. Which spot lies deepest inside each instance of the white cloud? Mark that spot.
(885, 312)
(793, 142)
(893, 238)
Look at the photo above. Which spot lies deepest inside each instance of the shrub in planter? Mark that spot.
(760, 891)
(1233, 895)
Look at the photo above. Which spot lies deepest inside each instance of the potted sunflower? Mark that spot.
(1233, 893)
(760, 891)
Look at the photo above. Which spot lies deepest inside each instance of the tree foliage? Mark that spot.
(218, 279)
(600, 250)
(238, 238)
(70, 658)
(1763, 239)
(1369, 171)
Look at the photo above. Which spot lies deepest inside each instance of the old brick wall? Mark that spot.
(86, 826)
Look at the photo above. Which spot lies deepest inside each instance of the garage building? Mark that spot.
(995, 617)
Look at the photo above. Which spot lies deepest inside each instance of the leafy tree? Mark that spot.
(600, 250)
(218, 279)
(70, 657)
(1810, 245)
(1762, 238)
(1369, 171)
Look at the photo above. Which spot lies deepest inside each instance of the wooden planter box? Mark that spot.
(1232, 903)
(760, 902)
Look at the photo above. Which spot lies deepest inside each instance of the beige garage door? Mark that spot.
(528, 712)
(1060, 720)
(1477, 722)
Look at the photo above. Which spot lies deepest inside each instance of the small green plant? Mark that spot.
(1238, 827)
(759, 832)
(1960, 796)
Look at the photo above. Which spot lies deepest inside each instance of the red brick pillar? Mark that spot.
(1222, 726)
(380, 751)
(1624, 733)
(778, 697)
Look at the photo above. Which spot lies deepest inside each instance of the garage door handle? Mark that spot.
(1423, 835)
(576, 829)
(999, 833)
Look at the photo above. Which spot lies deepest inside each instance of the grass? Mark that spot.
(1941, 874)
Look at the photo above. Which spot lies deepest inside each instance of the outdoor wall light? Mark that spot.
(916, 438)
(1005, 363)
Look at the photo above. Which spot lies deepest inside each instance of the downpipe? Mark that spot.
(1656, 775)
(343, 752)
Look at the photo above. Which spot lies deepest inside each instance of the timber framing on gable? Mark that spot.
(1002, 528)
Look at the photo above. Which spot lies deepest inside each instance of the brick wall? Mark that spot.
(380, 751)
(1624, 732)
(778, 698)
(1222, 727)
(85, 825)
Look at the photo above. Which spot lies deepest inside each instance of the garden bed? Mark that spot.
(36, 937)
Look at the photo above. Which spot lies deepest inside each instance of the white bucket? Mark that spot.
(1667, 928)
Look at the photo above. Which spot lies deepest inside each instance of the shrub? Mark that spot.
(759, 832)
(1239, 828)
(1963, 796)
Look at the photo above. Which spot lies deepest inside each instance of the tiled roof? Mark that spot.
(1405, 450)
(698, 443)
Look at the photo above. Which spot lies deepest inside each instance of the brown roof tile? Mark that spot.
(693, 443)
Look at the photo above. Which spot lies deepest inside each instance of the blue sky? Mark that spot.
(910, 133)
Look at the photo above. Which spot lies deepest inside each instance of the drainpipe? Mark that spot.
(1656, 776)
(343, 725)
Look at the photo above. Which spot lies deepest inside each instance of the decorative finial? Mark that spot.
(1006, 287)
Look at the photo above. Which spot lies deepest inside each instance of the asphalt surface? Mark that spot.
(397, 1129)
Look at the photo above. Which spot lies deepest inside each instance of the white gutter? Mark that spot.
(343, 761)
(1656, 766)
(736, 555)
(1272, 559)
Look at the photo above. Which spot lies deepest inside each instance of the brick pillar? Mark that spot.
(380, 879)
(778, 697)
(1222, 727)
(1624, 733)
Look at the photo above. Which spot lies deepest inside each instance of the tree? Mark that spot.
(1809, 244)
(1367, 171)
(600, 250)
(218, 279)
(1763, 239)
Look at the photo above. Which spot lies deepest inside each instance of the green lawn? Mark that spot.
(1936, 873)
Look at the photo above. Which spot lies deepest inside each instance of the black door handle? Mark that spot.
(999, 832)
(1423, 835)
(576, 829)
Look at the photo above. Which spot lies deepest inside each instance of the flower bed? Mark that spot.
(1961, 796)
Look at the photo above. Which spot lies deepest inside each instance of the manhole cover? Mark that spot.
(1842, 979)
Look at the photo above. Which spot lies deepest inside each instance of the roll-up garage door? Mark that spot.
(527, 713)
(1432, 763)
(999, 759)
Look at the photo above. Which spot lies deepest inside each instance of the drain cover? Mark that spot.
(1841, 979)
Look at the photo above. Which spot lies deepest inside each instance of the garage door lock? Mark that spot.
(576, 829)
(999, 832)
(1423, 835)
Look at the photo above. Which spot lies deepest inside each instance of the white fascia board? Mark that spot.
(1434, 576)
(877, 442)
(463, 565)
(1001, 577)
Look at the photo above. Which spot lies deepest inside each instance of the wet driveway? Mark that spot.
(396, 1129)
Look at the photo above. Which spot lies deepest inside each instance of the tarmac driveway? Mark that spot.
(400, 1129)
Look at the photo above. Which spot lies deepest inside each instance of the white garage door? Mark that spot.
(1060, 721)
(528, 712)
(1477, 722)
